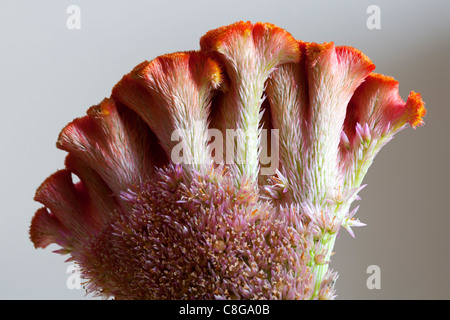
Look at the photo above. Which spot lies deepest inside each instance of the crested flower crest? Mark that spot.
(172, 200)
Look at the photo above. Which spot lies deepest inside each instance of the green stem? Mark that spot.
(328, 243)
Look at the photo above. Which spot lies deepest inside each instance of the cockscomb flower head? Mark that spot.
(177, 196)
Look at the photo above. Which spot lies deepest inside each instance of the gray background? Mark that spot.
(50, 75)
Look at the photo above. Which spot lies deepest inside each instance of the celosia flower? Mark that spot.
(143, 226)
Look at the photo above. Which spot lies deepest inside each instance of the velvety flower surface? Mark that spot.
(143, 225)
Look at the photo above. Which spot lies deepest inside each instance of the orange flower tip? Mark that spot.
(353, 54)
(128, 80)
(279, 37)
(381, 79)
(323, 52)
(416, 109)
(201, 66)
(214, 72)
(276, 38)
(103, 109)
(204, 67)
(315, 51)
(214, 39)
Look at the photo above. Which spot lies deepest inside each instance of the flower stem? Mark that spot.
(327, 244)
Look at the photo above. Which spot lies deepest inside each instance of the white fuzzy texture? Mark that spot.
(249, 58)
